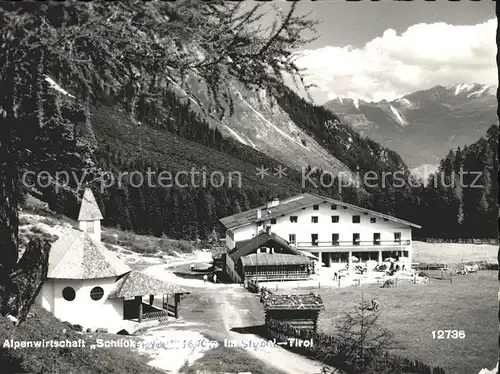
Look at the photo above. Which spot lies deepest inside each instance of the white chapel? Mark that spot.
(88, 285)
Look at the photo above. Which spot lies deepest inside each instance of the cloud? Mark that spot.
(393, 65)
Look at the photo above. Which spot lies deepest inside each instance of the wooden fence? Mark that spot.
(328, 350)
(160, 315)
(457, 240)
(482, 265)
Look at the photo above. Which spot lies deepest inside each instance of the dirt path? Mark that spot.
(277, 357)
(235, 308)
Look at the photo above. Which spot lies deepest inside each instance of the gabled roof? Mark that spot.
(294, 204)
(262, 239)
(136, 283)
(89, 210)
(77, 255)
(287, 206)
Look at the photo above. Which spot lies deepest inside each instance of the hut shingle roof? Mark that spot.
(89, 210)
(136, 283)
(309, 301)
(77, 255)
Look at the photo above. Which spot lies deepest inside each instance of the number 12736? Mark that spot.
(448, 334)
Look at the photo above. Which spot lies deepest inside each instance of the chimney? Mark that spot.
(259, 214)
(273, 203)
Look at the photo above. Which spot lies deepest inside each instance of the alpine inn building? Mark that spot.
(335, 232)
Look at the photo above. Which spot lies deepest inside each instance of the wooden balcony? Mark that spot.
(351, 244)
(268, 276)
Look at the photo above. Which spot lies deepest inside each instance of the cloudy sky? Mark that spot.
(386, 49)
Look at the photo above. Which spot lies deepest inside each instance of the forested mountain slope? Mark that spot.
(103, 88)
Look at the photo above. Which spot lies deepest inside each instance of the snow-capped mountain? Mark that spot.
(423, 126)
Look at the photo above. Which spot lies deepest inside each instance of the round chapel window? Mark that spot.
(68, 294)
(96, 293)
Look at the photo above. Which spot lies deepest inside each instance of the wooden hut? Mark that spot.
(300, 311)
(267, 257)
(135, 285)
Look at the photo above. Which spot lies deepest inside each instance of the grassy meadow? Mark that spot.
(453, 253)
(413, 311)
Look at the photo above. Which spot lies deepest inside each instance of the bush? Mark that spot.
(109, 238)
(143, 246)
(185, 246)
(110, 247)
(49, 237)
(37, 230)
(48, 221)
(23, 221)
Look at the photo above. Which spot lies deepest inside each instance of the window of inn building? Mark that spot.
(291, 238)
(376, 238)
(293, 219)
(373, 220)
(68, 293)
(315, 207)
(397, 237)
(314, 219)
(273, 221)
(335, 219)
(96, 293)
(355, 238)
(314, 239)
(334, 207)
(356, 219)
(335, 239)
